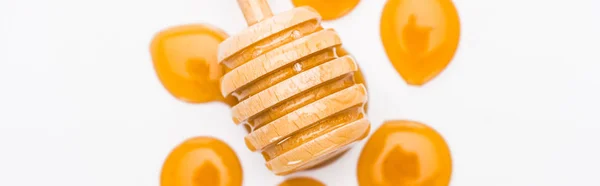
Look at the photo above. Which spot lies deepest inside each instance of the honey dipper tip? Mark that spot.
(255, 10)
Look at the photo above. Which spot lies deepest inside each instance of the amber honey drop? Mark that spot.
(202, 161)
(301, 181)
(185, 61)
(420, 37)
(329, 9)
(405, 153)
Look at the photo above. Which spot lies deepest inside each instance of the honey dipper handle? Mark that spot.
(255, 10)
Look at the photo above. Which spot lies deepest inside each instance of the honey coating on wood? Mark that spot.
(257, 68)
(318, 129)
(299, 101)
(420, 37)
(320, 149)
(301, 181)
(299, 97)
(405, 153)
(285, 73)
(271, 42)
(202, 161)
(289, 124)
(185, 61)
(329, 9)
(359, 76)
(328, 161)
(292, 87)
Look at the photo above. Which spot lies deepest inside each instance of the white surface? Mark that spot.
(80, 103)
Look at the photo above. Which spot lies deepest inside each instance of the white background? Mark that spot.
(80, 103)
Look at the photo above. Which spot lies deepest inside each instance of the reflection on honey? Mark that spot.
(329, 9)
(301, 181)
(359, 76)
(202, 161)
(405, 153)
(420, 37)
(185, 60)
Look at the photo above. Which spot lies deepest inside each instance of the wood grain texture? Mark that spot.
(323, 145)
(310, 114)
(277, 58)
(264, 29)
(293, 86)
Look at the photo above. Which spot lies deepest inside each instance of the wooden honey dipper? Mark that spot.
(299, 98)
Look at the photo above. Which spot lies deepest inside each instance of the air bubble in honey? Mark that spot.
(296, 34)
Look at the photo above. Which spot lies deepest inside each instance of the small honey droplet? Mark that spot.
(257, 53)
(339, 52)
(297, 67)
(296, 34)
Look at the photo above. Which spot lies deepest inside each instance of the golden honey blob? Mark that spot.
(301, 181)
(420, 37)
(185, 61)
(202, 161)
(329, 9)
(405, 153)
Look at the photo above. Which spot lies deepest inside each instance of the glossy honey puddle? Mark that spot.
(202, 161)
(329, 9)
(420, 37)
(405, 153)
(185, 61)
